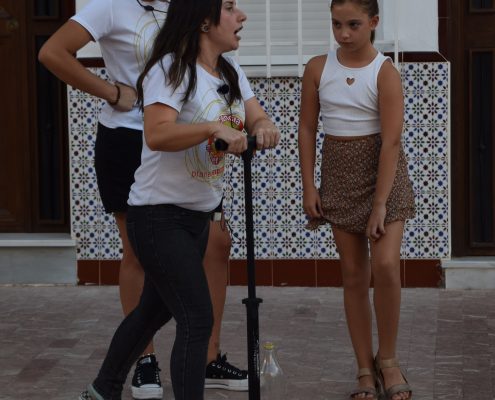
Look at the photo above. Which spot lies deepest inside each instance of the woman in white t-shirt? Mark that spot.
(124, 30)
(191, 96)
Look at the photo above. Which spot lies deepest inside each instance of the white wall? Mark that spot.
(417, 22)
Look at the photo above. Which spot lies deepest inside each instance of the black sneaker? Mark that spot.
(146, 382)
(220, 374)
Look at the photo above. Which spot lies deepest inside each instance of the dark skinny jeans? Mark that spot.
(169, 242)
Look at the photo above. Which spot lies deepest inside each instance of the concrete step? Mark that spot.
(469, 273)
(37, 258)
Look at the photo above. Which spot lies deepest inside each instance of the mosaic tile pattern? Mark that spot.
(95, 231)
(277, 194)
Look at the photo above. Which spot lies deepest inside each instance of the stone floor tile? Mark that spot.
(53, 339)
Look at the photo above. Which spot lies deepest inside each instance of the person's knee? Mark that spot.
(202, 323)
(205, 322)
(196, 327)
(386, 272)
(355, 276)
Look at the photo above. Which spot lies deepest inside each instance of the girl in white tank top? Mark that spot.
(366, 194)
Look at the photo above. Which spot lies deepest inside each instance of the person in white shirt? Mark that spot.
(192, 95)
(125, 31)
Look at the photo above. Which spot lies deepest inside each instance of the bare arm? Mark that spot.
(163, 133)
(391, 108)
(57, 54)
(260, 125)
(308, 125)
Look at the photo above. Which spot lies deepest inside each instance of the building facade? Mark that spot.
(444, 51)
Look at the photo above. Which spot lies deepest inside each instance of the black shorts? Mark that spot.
(117, 156)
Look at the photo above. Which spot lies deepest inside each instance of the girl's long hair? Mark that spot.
(370, 7)
(179, 37)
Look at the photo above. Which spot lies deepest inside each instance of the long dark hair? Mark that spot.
(179, 37)
(370, 7)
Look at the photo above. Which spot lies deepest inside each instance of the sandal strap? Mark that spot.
(400, 388)
(388, 363)
(364, 372)
(365, 390)
(394, 389)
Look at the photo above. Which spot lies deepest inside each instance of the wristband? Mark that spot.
(114, 103)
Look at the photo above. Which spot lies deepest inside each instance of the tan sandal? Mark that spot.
(366, 390)
(381, 364)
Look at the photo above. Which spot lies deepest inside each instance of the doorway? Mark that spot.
(34, 188)
(472, 38)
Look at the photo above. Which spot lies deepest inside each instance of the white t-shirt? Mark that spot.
(191, 178)
(125, 32)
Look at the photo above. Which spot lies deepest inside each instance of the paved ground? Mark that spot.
(52, 340)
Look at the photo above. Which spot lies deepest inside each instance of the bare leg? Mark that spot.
(131, 275)
(356, 275)
(216, 262)
(385, 264)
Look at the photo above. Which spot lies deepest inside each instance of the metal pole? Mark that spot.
(300, 49)
(268, 40)
(252, 302)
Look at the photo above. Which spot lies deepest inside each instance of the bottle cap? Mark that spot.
(268, 346)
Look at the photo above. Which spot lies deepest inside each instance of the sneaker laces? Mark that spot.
(224, 365)
(148, 372)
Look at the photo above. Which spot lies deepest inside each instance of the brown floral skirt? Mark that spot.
(348, 180)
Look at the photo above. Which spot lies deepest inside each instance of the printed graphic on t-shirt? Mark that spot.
(204, 163)
(146, 32)
(232, 121)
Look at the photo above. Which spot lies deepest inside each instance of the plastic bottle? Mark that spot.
(272, 376)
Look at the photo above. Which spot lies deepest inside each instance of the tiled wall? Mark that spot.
(279, 220)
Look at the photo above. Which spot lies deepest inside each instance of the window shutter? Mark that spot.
(275, 41)
(283, 31)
